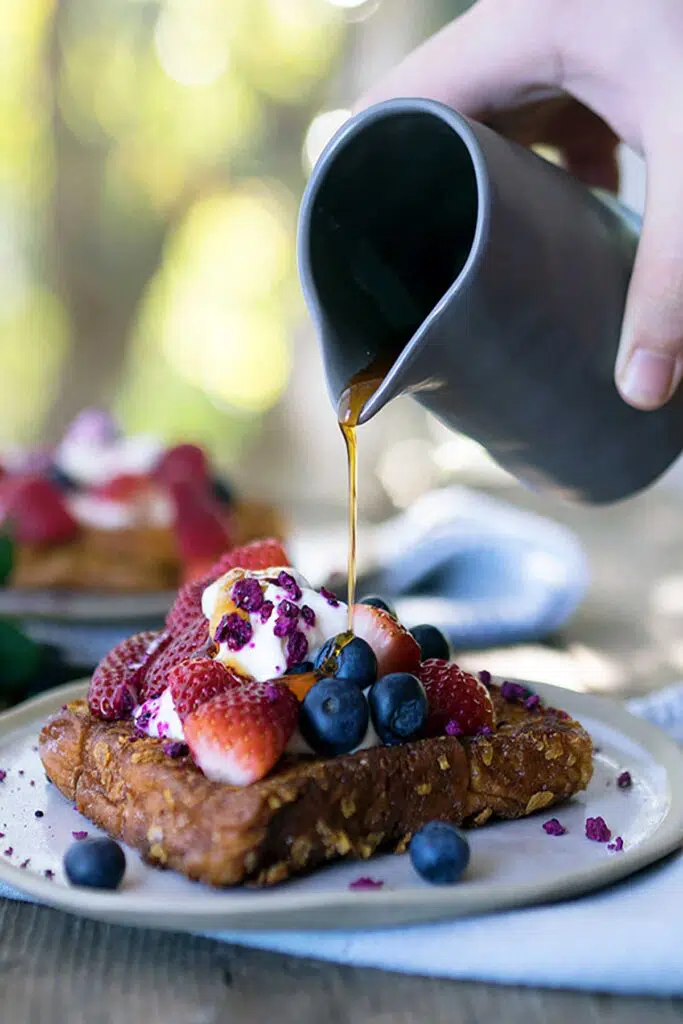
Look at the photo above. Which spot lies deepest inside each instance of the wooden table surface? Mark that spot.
(627, 637)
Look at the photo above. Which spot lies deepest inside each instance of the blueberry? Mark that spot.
(300, 669)
(433, 644)
(439, 853)
(60, 478)
(379, 602)
(334, 717)
(95, 863)
(222, 491)
(349, 659)
(399, 706)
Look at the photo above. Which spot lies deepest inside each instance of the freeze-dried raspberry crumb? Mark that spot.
(453, 728)
(485, 677)
(289, 585)
(533, 702)
(3, 775)
(39, 814)
(247, 594)
(515, 693)
(288, 610)
(9, 851)
(554, 828)
(284, 626)
(174, 748)
(49, 874)
(25, 863)
(364, 882)
(297, 648)
(32, 782)
(80, 834)
(265, 611)
(331, 598)
(308, 615)
(234, 631)
(617, 845)
(597, 830)
(624, 781)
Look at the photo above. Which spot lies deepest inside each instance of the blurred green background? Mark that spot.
(152, 155)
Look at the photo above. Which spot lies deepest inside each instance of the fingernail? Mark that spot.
(648, 378)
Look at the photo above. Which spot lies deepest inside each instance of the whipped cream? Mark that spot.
(158, 717)
(107, 514)
(265, 655)
(95, 460)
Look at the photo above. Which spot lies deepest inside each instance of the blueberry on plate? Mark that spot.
(333, 717)
(398, 706)
(60, 478)
(440, 853)
(433, 644)
(348, 657)
(379, 602)
(95, 863)
(300, 669)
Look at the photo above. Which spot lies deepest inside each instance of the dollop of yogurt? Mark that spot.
(267, 655)
(158, 717)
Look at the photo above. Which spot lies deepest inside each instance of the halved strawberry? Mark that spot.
(458, 702)
(200, 524)
(184, 463)
(193, 642)
(197, 680)
(238, 736)
(37, 511)
(124, 487)
(260, 554)
(115, 687)
(395, 648)
(187, 607)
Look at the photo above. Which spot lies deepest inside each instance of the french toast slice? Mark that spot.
(309, 811)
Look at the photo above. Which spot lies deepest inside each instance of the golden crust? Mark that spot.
(309, 811)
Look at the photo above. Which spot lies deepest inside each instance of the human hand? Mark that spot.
(579, 75)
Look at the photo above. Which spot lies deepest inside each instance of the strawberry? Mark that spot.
(395, 648)
(239, 735)
(260, 554)
(116, 682)
(39, 515)
(183, 464)
(197, 680)
(187, 607)
(193, 642)
(458, 703)
(124, 487)
(200, 525)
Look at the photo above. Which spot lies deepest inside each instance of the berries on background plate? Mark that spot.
(195, 681)
(395, 649)
(95, 863)
(398, 706)
(182, 464)
(239, 736)
(200, 524)
(379, 602)
(36, 509)
(349, 658)
(458, 701)
(440, 853)
(117, 682)
(334, 717)
(433, 644)
(60, 478)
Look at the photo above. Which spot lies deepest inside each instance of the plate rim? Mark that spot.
(422, 905)
(79, 608)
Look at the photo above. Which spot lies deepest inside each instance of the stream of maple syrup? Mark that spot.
(353, 399)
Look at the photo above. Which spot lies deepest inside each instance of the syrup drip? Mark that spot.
(351, 404)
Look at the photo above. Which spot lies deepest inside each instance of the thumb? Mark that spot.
(650, 360)
(493, 57)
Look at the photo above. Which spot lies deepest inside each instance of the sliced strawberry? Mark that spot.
(115, 687)
(395, 648)
(36, 508)
(199, 523)
(196, 681)
(182, 464)
(238, 736)
(187, 607)
(260, 554)
(458, 702)
(125, 487)
(193, 642)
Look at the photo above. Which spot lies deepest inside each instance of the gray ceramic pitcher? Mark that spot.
(491, 284)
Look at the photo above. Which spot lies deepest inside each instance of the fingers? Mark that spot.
(650, 361)
(499, 54)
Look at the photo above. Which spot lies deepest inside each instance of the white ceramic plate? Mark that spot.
(513, 863)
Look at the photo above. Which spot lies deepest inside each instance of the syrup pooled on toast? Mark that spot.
(351, 404)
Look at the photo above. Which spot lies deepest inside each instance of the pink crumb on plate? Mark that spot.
(365, 882)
